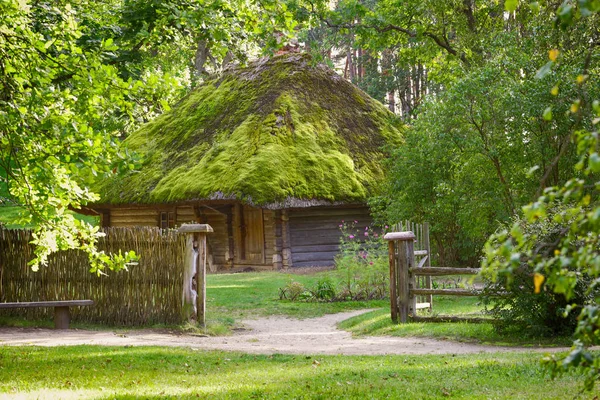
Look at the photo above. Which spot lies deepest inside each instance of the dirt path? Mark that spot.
(261, 336)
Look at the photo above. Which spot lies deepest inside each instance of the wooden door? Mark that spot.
(250, 237)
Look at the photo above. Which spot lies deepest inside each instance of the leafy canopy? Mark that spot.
(77, 77)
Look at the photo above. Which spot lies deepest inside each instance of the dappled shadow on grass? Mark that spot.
(378, 322)
(150, 372)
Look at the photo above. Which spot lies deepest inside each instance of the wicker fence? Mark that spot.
(148, 293)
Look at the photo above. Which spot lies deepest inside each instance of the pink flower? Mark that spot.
(366, 233)
(342, 221)
(371, 263)
(366, 228)
(341, 225)
(351, 236)
(376, 235)
(386, 227)
(355, 221)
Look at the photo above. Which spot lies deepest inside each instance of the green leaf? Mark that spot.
(594, 163)
(547, 115)
(511, 5)
(545, 70)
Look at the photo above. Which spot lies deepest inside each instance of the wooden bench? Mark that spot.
(62, 316)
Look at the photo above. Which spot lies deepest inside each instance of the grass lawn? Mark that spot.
(149, 372)
(234, 297)
(256, 294)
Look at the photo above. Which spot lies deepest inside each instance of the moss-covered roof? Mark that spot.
(276, 130)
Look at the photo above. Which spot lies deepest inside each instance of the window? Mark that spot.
(167, 220)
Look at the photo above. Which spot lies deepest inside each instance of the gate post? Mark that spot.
(402, 260)
(194, 271)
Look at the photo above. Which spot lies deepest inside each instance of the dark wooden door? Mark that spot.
(250, 236)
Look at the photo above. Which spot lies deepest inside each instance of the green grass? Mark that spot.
(233, 297)
(378, 323)
(150, 372)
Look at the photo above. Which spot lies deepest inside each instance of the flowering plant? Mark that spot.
(362, 264)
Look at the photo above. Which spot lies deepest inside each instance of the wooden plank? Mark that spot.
(60, 303)
(393, 295)
(313, 264)
(403, 236)
(255, 237)
(201, 279)
(331, 211)
(189, 270)
(427, 246)
(121, 212)
(441, 271)
(446, 292)
(315, 248)
(421, 252)
(316, 241)
(317, 256)
(422, 263)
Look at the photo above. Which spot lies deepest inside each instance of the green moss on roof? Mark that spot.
(274, 130)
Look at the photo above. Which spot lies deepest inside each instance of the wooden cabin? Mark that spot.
(250, 237)
(274, 156)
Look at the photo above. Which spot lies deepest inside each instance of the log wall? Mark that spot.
(219, 243)
(315, 233)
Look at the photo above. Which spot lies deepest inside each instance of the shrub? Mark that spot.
(515, 302)
(292, 291)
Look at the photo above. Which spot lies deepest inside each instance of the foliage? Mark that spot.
(484, 147)
(518, 305)
(566, 263)
(361, 272)
(60, 106)
(362, 267)
(94, 372)
(78, 76)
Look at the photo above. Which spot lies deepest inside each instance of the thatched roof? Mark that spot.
(276, 133)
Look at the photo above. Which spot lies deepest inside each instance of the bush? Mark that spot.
(512, 299)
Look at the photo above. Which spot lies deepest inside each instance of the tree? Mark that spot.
(571, 259)
(68, 93)
(479, 145)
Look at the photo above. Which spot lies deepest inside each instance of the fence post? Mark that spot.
(393, 281)
(194, 272)
(401, 279)
(428, 285)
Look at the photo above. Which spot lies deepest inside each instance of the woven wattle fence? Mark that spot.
(148, 293)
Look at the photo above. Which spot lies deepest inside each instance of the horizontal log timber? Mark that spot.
(137, 212)
(320, 256)
(345, 214)
(311, 248)
(441, 271)
(361, 221)
(402, 236)
(313, 264)
(420, 252)
(445, 292)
